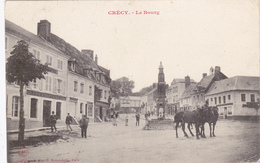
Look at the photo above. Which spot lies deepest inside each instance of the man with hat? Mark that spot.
(84, 125)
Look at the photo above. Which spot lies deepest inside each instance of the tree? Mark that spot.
(22, 67)
(122, 87)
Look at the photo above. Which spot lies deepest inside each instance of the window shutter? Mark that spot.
(54, 85)
(63, 85)
(49, 83)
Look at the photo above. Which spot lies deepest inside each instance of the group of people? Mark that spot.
(83, 123)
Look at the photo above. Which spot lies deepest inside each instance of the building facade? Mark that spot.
(130, 104)
(236, 96)
(69, 86)
(198, 95)
(42, 96)
(174, 93)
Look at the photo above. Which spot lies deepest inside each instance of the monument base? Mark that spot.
(158, 124)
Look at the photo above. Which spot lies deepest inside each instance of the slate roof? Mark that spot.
(188, 91)
(235, 83)
(207, 81)
(18, 31)
(60, 46)
(181, 80)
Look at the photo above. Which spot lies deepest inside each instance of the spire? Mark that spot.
(161, 66)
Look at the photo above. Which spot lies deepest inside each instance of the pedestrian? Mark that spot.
(149, 114)
(68, 121)
(137, 116)
(126, 119)
(114, 118)
(84, 126)
(53, 119)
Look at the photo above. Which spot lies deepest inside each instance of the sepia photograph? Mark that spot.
(152, 81)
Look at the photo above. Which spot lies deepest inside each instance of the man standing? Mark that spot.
(53, 119)
(68, 121)
(126, 119)
(137, 116)
(84, 125)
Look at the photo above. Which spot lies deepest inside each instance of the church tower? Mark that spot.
(161, 91)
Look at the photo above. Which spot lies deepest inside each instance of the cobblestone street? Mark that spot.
(236, 141)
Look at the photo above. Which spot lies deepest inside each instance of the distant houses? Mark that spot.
(237, 96)
(127, 104)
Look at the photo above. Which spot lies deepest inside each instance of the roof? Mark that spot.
(18, 31)
(207, 81)
(235, 83)
(204, 82)
(181, 80)
(152, 91)
(188, 91)
(83, 61)
(131, 97)
(60, 46)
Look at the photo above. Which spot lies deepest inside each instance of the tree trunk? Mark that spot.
(21, 117)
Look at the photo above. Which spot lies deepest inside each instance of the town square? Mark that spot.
(103, 82)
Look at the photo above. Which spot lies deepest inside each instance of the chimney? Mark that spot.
(44, 29)
(217, 73)
(96, 59)
(187, 81)
(88, 52)
(204, 75)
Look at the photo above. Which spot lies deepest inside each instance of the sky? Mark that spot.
(188, 37)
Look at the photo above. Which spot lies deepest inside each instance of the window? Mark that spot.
(58, 110)
(252, 98)
(90, 90)
(101, 93)
(82, 88)
(49, 59)
(86, 109)
(211, 99)
(15, 106)
(229, 97)
(219, 100)
(33, 113)
(243, 97)
(59, 84)
(75, 86)
(224, 99)
(36, 54)
(215, 100)
(48, 83)
(90, 110)
(60, 64)
(105, 95)
(81, 107)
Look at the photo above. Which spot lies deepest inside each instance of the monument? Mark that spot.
(161, 123)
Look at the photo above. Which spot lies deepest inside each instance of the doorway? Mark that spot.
(225, 112)
(100, 113)
(46, 113)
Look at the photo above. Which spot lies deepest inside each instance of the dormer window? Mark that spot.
(72, 66)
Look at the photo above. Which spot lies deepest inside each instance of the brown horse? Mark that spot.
(190, 117)
(212, 118)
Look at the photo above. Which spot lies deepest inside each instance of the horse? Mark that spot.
(190, 117)
(212, 118)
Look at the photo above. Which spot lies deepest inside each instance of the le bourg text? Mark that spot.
(118, 12)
